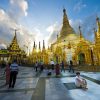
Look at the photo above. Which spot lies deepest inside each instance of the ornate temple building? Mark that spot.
(70, 46)
(13, 52)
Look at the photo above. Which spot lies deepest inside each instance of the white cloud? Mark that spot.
(80, 5)
(22, 5)
(87, 26)
(53, 30)
(7, 23)
(75, 24)
(2, 14)
(18, 8)
(3, 46)
(38, 34)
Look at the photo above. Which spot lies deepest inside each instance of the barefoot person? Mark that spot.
(7, 73)
(13, 73)
(71, 66)
(57, 69)
(80, 82)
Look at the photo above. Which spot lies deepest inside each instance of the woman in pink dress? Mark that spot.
(7, 73)
(57, 69)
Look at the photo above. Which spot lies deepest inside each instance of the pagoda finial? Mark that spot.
(98, 25)
(57, 36)
(80, 31)
(39, 45)
(65, 19)
(34, 44)
(95, 33)
(97, 19)
(64, 10)
(43, 45)
(15, 32)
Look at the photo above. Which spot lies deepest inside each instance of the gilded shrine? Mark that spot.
(68, 46)
(12, 52)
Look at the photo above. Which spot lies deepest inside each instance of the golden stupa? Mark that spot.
(71, 46)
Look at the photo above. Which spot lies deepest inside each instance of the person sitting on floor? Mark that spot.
(80, 82)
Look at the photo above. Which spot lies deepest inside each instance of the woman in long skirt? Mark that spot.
(57, 69)
(7, 73)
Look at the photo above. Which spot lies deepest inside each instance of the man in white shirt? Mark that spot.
(52, 64)
(13, 73)
(80, 82)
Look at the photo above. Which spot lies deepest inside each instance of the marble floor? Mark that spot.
(38, 86)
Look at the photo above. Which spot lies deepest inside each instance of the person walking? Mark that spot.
(52, 64)
(41, 66)
(57, 69)
(71, 66)
(62, 66)
(36, 66)
(13, 73)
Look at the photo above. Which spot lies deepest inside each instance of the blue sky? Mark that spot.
(39, 19)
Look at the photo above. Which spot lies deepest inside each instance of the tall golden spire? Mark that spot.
(39, 46)
(15, 32)
(43, 45)
(98, 25)
(80, 33)
(95, 34)
(66, 28)
(65, 18)
(34, 48)
(34, 45)
(57, 36)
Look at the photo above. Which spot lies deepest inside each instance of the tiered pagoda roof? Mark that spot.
(66, 28)
(14, 45)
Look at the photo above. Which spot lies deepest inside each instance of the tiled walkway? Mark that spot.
(38, 86)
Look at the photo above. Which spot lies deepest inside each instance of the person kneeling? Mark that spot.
(80, 82)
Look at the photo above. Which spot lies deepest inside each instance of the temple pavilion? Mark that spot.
(12, 52)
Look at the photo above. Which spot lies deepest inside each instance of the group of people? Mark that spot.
(39, 65)
(12, 71)
(53, 66)
(79, 81)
